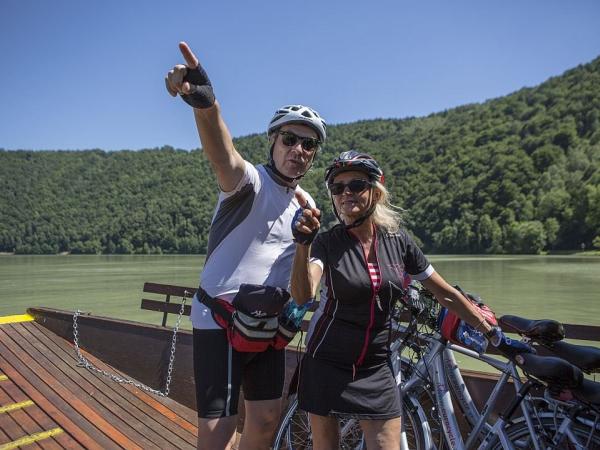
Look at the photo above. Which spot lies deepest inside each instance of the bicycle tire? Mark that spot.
(415, 426)
(294, 431)
(521, 437)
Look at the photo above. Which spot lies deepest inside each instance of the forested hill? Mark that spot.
(517, 174)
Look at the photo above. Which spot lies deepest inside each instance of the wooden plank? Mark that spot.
(104, 339)
(43, 438)
(50, 408)
(41, 420)
(95, 402)
(150, 417)
(82, 382)
(161, 306)
(14, 422)
(172, 410)
(169, 289)
(69, 412)
(39, 416)
(16, 318)
(583, 332)
(3, 436)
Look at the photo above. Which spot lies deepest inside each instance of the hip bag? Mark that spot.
(253, 320)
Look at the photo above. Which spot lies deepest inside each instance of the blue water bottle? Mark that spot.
(471, 338)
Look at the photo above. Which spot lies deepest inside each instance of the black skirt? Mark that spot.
(326, 389)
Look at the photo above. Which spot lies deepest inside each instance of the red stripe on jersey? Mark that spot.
(375, 275)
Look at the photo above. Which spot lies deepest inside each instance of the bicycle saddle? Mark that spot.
(545, 330)
(583, 356)
(556, 372)
(588, 392)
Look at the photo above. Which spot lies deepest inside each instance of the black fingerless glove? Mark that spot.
(203, 95)
(299, 237)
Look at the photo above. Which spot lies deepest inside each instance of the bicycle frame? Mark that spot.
(439, 365)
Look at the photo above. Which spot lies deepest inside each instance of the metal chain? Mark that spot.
(82, 361)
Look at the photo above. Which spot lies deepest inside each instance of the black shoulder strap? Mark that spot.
(215, 306)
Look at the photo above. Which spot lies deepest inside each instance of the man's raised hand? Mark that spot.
(190, 81)
(305, 224)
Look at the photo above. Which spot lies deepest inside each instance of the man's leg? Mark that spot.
(260, 424)
(217, 373)
(264, 375)
(216, 433)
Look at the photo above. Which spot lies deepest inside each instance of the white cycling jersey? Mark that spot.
(250, 240)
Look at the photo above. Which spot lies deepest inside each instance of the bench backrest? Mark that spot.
(165, 306)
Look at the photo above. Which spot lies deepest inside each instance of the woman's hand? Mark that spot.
(305, 224)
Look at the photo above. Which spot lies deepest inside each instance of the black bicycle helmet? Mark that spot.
(361, 162)
(354, 160)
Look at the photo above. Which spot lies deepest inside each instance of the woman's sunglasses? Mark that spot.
(354, 186)
(290, 139)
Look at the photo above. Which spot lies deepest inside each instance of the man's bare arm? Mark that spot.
(192, 84)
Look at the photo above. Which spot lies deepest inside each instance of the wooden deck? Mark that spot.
(47, 401)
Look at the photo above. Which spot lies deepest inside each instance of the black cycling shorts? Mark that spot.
(219, 371)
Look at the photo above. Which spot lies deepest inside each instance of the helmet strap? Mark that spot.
(362, 218)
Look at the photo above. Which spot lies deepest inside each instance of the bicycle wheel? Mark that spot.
(546, 427)
(415, 426)
(294, 432)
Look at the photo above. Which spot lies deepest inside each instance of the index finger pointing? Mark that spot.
(301, 199)
(190, 59)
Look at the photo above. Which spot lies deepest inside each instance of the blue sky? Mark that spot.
(90, 74)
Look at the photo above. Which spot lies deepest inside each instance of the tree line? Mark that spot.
(516, 174)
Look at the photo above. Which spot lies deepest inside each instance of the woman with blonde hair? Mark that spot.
(365, 260)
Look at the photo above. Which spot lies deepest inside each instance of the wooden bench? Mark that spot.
(165, 306)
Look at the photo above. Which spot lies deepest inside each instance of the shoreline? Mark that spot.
(553, 253)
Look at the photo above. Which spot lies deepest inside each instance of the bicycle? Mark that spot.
(435, 378)
(541, 426)
(569, 412)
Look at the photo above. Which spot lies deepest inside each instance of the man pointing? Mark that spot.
(250, 241)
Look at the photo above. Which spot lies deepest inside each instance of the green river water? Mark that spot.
(565, 288)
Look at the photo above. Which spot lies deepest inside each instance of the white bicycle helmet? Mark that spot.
(299, 114)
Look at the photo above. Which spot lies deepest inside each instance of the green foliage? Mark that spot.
(518, 174)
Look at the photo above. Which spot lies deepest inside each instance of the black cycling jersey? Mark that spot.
(350, 328)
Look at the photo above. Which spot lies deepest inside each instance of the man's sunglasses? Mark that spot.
(354, 186)
(290, 139)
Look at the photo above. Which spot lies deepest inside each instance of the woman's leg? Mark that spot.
(325, 432)
(382, 434)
